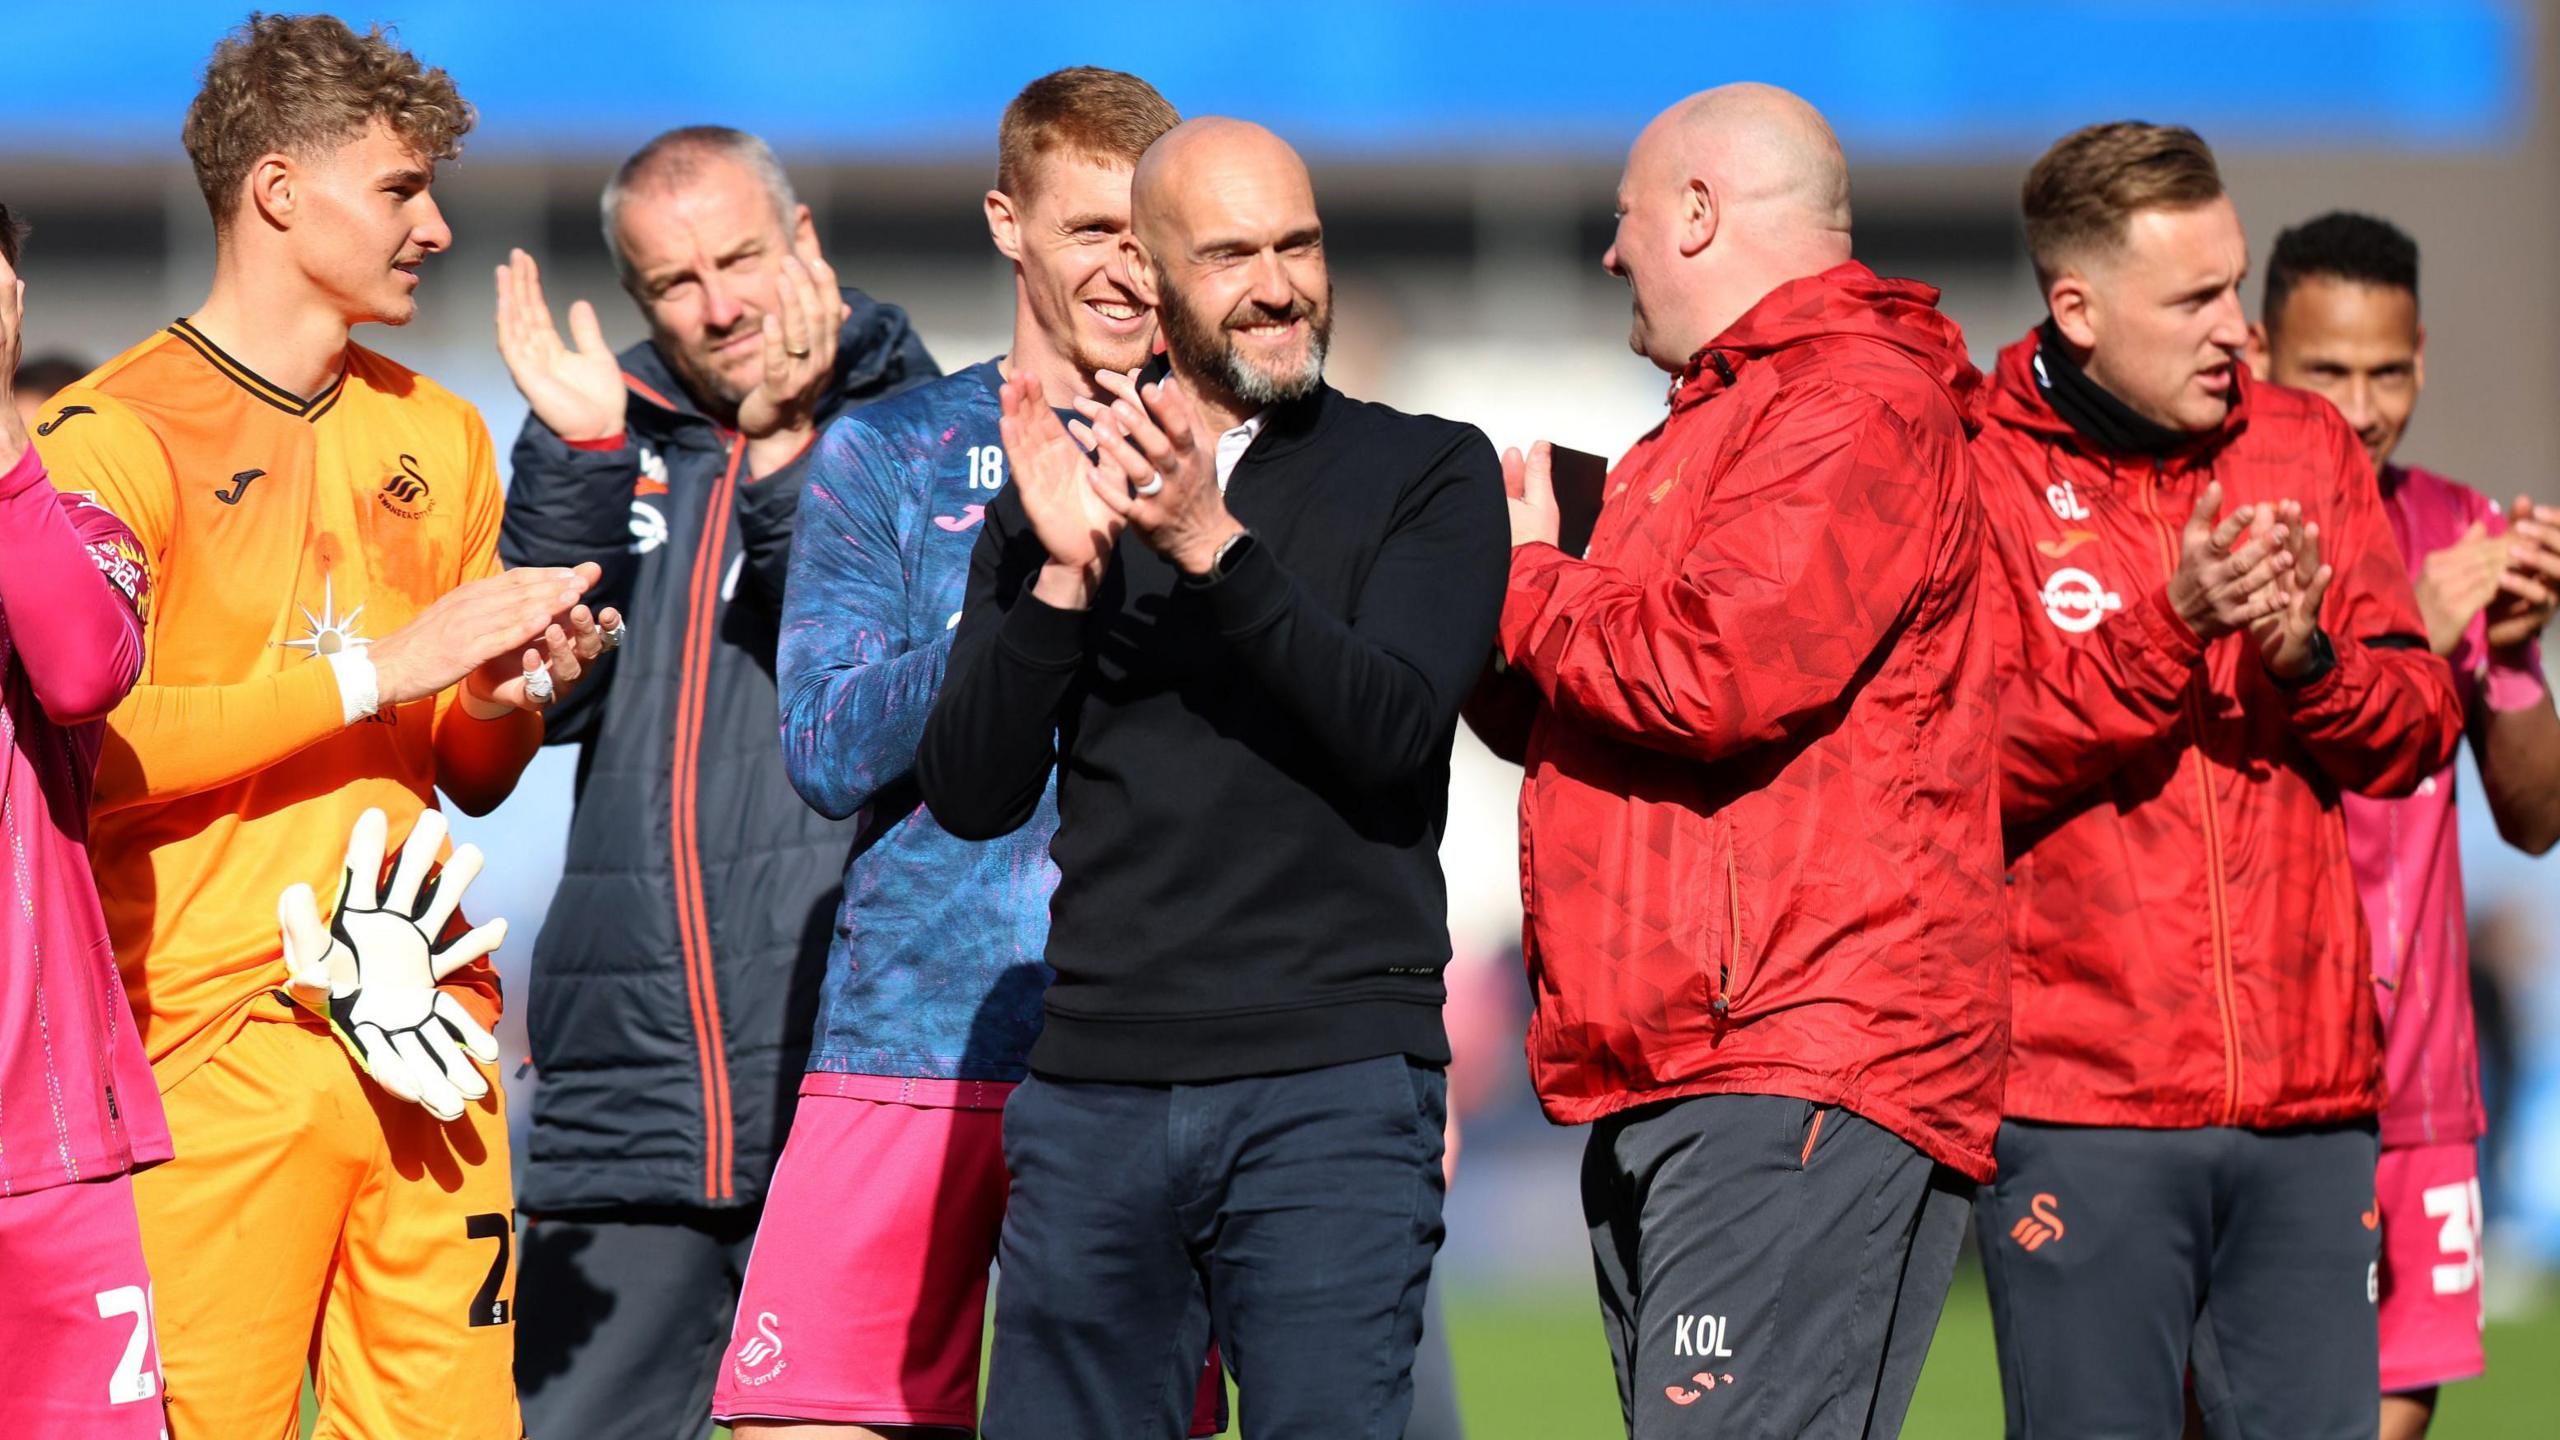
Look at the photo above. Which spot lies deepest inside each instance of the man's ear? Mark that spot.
(1142, 272)
(2418, 362)
(1004, 226)
(273, 190)
(1698, 217)
(2074, 306)
(2261, 353)
(804, 230)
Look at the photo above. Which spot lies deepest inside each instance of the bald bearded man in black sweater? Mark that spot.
(1240, 633)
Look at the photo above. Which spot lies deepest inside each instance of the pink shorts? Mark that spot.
(82, 1357)
(865, 1297)
(2428, 1286)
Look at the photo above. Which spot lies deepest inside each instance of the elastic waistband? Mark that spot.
(908, 1090)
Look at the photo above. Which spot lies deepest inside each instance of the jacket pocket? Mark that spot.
(1729, 968)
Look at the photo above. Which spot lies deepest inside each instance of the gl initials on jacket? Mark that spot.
(1700, 1335)
(2065, 502)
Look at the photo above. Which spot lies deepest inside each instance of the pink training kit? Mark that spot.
(77, 1101)
(83, 1359)
(2428, 1301)
(2408, 864)
(2408, 860)
(865, 1298)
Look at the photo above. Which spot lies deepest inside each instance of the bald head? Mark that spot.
(1761, 149)
(1206, 170)
(1727, 195)
(1231, 254)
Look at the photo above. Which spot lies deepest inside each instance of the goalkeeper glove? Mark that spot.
(371, 972)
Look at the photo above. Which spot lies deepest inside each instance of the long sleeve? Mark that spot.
(165, 742)
(72, 588)
(568, 503)
(768, 514)
(1808, 556)
(478, 761)
(1378, 693)
(1502, 711)
(2073, 711)
(854, 693)
(992, 739)
(2388, 715)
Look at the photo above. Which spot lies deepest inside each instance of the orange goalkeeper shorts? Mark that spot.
(311, 1219)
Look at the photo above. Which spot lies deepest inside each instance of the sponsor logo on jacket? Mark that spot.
(2074, 600)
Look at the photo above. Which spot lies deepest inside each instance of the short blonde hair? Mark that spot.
(1102, 115)
(2082, 192)
(303, 85)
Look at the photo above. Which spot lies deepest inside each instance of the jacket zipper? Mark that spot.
(1722, 1004)
(692, 920)
(2218, 911)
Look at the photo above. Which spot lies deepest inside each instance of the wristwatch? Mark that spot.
(1230, 557)
(2324, 658)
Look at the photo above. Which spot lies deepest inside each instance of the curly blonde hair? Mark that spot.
(303, 85)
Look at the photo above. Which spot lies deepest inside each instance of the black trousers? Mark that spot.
(622, 1317)
(1768, 1267)
(1295, 1216)
(2120, 1259)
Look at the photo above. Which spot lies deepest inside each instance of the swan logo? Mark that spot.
(760, 1360)
(2074, 601)
(648, 527)
(2041, 1226)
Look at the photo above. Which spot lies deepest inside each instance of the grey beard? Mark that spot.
(1258, 389)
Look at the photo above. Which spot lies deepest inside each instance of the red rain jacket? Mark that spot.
(1759, 843)
(2185, 943)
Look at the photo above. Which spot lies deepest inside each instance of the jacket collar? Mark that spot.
(2019, 401)
(1846, 302)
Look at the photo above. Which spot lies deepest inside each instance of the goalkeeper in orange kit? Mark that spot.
(332, 642)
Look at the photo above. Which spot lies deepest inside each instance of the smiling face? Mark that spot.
(1654, 210)
(1239, 274)
(2160, 313)
(2359, 345)
(1066, 237)
(703, 254)
(364, 219)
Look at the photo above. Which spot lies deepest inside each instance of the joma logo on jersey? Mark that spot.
(65, 413)
(1700, 1335)
(405, 493)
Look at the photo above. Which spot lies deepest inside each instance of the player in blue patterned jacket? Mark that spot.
(864, 1303)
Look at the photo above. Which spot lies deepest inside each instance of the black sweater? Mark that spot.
(1253, 774)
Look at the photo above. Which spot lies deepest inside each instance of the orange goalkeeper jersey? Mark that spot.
(279, 530)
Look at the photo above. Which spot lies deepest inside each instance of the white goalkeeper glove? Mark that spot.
(371, 972)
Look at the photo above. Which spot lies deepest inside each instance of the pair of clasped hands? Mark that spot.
(1141, 459)
(2273, 583)
(2257, 569)
(2513, 577)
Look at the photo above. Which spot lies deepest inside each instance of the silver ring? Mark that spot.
(1155, 483)
(612, 635)
(537, 687)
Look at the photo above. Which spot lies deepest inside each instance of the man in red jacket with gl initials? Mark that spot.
(2208, 637)
(1760, 846)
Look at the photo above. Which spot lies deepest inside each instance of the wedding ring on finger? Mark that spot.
(612, 636)
(797, 354)
(1154, 485)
